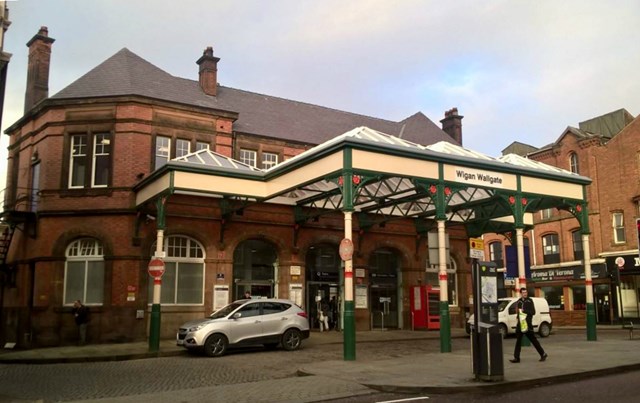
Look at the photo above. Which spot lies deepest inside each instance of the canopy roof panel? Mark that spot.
(392, 177)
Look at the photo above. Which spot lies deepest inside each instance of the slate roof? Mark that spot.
(126, 73)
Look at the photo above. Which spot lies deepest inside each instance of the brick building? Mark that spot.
(243, 192)
(606, 149)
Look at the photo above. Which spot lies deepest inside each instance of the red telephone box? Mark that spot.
(425, 307)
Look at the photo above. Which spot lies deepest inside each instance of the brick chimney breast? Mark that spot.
(38, 68)
(208, 72)
(452, 124)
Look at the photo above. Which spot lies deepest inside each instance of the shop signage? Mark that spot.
(568, 273)
(628, 264)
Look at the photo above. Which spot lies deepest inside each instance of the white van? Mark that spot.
(507, 316)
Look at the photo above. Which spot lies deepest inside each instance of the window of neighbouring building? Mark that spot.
(84, 272)
(183, 279)
(90, 160)
(269, 160)
(495, 252)
(573, 163)
(248, 157)
(576, 237)
(163, 151)
(578, 298)
(546, 213)
(618, 228)
(554, 297)
(551, 248)
(35, 186)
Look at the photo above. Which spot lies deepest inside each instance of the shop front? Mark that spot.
(624, 269)
(564, 289)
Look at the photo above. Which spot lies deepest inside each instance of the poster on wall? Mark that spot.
(361, 296)
(295, 293)
(220, 296)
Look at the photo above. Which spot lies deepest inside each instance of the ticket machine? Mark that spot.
(486, 339)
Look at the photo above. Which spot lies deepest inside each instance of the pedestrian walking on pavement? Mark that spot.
(81, 316)
(524, 326)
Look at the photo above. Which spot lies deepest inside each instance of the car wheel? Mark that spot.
(503, 330)
(216, 345)
(270, 346)
(544, 329)
(291, 339)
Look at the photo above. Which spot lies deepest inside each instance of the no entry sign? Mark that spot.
(156, 268)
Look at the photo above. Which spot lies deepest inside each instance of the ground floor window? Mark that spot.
(554, 297)
(579, 298)
(183, 279)
(84, 272)
(452, 280)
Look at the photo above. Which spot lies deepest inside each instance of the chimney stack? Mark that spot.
(208, 72)
(38, 68)
(452, 124)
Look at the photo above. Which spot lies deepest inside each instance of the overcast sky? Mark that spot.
(517, 70)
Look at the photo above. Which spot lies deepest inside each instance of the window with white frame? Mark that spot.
(269, 160)
(618, 228)
(101, 160)
(452, 280)
(163, 151)
(183, 279)
(183, 147)
(495, 252)
(551, 249)
(90, 160)
(248, 157)
(573, 162)
(546, 213)
(84, 272)
(202, 146)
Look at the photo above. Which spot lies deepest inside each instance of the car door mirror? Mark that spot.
(236, 315)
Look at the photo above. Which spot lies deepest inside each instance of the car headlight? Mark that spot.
(195, 328)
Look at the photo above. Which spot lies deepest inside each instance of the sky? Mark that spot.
(516, 70)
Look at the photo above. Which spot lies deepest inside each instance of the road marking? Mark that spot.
(411, 399)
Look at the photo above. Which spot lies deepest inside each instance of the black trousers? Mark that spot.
(532, 337)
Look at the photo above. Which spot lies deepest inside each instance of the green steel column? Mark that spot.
(591, 310)
(154, 329)
(349, 333)
(441, 217)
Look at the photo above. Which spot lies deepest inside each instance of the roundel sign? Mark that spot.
(156, 268)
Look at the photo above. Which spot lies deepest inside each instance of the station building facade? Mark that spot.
(72, 229)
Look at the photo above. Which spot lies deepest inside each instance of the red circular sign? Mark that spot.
(156, 268)
(346, 249)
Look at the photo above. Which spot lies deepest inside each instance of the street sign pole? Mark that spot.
(156, 270)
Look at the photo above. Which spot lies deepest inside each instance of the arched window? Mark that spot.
(84, 272)
(183, 279)
(573, 163)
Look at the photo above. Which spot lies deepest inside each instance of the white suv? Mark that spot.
(270, 322)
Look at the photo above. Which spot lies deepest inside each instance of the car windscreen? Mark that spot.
(502, 305)
(223, 312)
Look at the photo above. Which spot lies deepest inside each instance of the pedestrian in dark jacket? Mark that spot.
(525, 309)
(81, 316)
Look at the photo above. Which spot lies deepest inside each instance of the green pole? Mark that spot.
(591, 322)
(445, 328)
(349, 331)
(154, 329)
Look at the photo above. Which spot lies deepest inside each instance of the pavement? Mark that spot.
(571, 357)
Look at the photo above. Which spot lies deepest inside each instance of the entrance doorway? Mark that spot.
(323, 283)
(254, 267)
(603, 303)
(383, 280)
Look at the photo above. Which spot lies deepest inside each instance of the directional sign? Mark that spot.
(156, 268)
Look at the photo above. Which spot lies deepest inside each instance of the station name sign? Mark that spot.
(479, 177)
